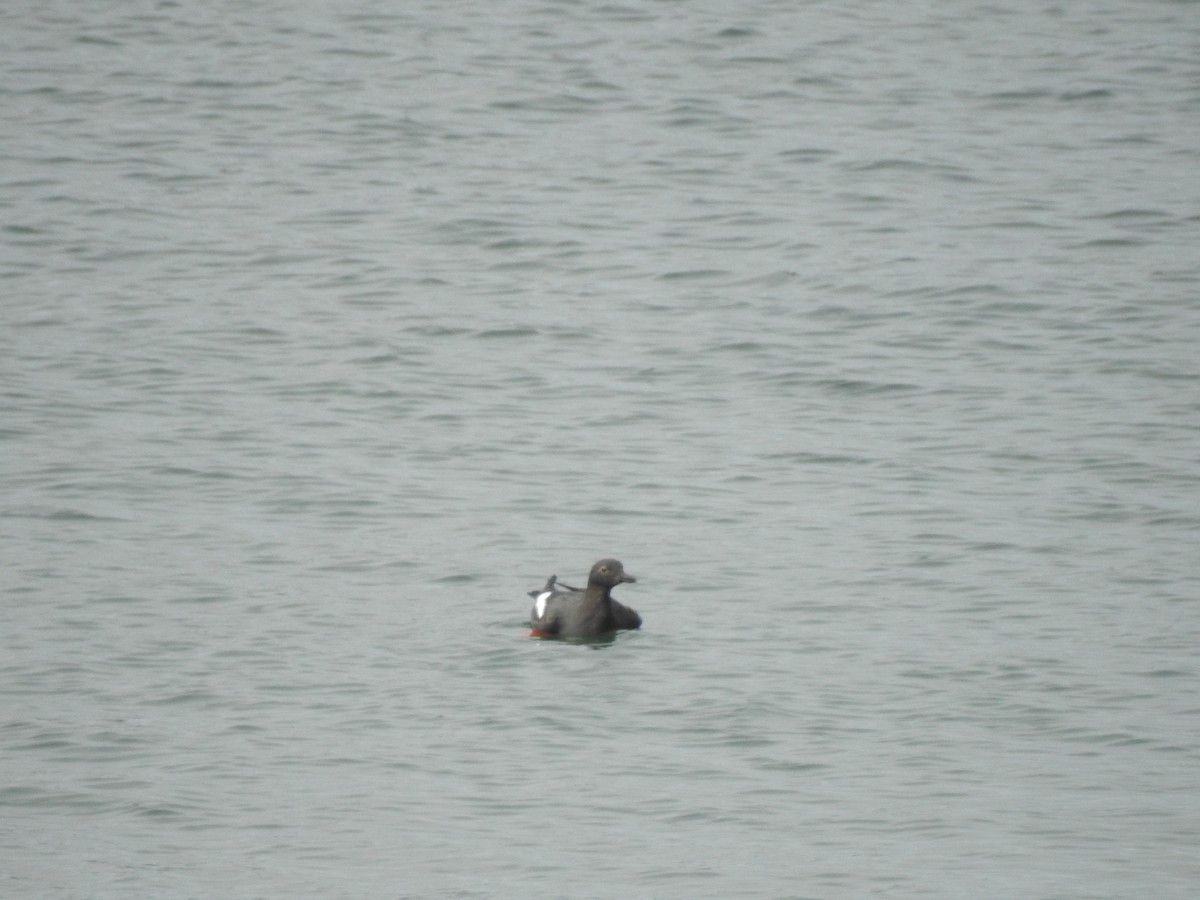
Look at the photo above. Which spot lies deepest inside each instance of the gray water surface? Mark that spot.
(865, 335)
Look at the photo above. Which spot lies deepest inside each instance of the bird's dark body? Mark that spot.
(590, 612)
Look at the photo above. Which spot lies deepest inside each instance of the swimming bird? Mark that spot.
(576, 613)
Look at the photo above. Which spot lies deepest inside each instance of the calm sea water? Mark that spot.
(864, 334)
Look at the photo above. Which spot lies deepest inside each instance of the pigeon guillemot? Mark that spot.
(575, 613)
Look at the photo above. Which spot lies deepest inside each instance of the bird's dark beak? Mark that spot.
(626, 577)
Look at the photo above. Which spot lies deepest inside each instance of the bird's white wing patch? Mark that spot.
(540, 606)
